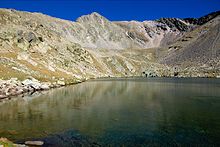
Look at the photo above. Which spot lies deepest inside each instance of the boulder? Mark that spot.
(61, 83)
(34, 143)
(32, 83)
(2, 96)
(30, 37)
(45, 86)
(149, 73)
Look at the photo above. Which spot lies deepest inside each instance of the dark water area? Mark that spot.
(118, 112)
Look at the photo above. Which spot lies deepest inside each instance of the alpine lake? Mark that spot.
(118, 112)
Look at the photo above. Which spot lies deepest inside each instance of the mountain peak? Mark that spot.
(94, 16)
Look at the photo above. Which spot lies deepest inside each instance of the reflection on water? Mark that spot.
(123, 111)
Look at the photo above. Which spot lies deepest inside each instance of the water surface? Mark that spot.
(130, 112)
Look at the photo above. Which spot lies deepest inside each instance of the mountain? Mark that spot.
(49, 49)
(202, 20)
(197, 50)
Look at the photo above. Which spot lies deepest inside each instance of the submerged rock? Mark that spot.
(34, 143)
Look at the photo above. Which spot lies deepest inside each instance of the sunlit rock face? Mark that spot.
(149, 34)
(99, 32)
(95, 31)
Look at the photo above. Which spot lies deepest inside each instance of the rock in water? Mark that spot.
(34, 143)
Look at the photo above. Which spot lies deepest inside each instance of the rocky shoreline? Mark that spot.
(15, 87)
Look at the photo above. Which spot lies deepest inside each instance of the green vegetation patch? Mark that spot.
(6, 143)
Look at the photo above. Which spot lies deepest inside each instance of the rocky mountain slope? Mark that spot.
(197, 51)
(33, 45)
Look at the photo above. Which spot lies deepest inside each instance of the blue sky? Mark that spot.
(117, 9)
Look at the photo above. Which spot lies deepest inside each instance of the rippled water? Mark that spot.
(130, 112)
